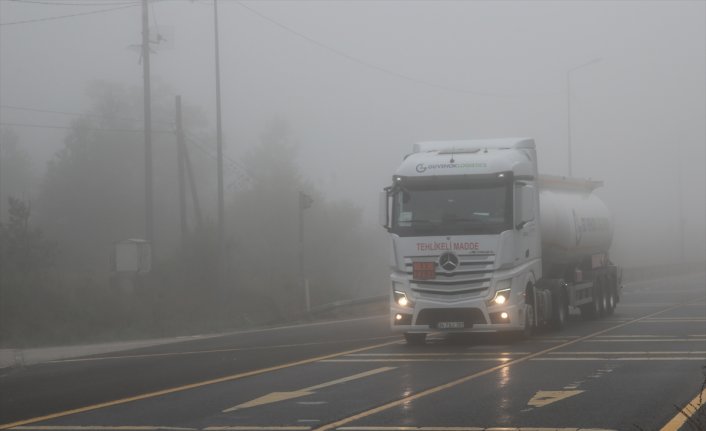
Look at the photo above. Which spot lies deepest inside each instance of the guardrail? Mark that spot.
(629, 274)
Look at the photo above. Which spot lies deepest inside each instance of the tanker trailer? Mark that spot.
(576, 234)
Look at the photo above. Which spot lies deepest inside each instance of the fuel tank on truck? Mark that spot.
(574, 222)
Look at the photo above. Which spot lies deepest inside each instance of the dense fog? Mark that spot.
(324, 98)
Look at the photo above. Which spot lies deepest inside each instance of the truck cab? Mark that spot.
(463, 217)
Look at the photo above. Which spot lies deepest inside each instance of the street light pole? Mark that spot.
(219, 150)
(568, 106)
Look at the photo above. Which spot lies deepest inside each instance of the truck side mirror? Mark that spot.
(384, 210)
(527, 205)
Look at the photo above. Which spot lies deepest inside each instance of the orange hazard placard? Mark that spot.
(423, 270)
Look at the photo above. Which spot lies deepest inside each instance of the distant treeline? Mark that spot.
(55, 245)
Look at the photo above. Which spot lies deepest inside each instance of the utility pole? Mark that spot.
(305, 201)
(192, 186)
(1, 197)
(219, 145)
(682, 220)
(181, 162)
(149, 204)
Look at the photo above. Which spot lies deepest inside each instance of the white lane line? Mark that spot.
(661, 352)
(648, 340)
(505, 359)
(610, 358)
(258, 428)
(438, 354)
(646, 336)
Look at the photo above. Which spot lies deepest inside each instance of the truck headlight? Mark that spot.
(501, 297)
(401, 298)
(502, 292)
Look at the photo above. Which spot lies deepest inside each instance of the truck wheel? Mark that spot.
(529, 321)
(591, 310)
(605, 297)
(415, 338)
(602, 297)
(559, 310)
(610, 296)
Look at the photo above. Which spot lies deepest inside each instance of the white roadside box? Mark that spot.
(132, 256)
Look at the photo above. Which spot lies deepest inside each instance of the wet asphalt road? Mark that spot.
(623, 372)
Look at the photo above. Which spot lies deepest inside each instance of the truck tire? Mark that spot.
(606, 298)
(529, 322)
(529, 328)
(610, 295)
(602, 296)
(415, 338)
(591, 310)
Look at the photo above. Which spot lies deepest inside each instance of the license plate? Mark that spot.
(450, 325)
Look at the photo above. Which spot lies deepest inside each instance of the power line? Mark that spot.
(97, 129)
(76, 114)
(234, 166)
(371, 65)
(56, 3)
(51, 18)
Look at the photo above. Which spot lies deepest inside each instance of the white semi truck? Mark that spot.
(482, 243)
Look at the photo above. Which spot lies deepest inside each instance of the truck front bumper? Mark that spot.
(465, 316)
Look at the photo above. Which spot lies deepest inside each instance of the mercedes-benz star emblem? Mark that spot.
(448, 261)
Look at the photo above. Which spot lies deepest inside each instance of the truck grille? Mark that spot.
(470, 280)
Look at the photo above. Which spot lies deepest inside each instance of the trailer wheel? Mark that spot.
(529, 312)
(601, 296)
(591, 310)
(415, 338)
(610, 296)
(560, 310)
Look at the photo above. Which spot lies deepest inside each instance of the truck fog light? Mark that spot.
(398, 316)
(503, 315)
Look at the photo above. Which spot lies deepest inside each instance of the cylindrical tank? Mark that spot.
(574, 223)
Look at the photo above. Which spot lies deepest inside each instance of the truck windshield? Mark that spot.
(438, 210)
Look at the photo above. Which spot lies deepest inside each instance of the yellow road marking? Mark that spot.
(102, 428)
(283, 396)
(454, 383)
(189, 386)
(465, 429)
(686, 413)
(544, 398)
(198, 352)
